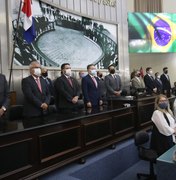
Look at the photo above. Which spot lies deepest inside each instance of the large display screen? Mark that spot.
(152, 32)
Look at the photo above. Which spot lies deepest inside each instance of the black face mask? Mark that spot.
(100, 75)
(112, 71)
(166, 71)
(138, 75)
(45, 74)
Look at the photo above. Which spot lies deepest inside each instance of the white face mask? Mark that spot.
(158, 77)
(150, 72)
(68, 72)
(37, 71)
(93, 72)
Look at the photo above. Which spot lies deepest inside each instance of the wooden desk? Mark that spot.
(165, 166)
(144, 108)
(31, 148)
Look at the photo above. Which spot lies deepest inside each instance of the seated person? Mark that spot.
(164, 126)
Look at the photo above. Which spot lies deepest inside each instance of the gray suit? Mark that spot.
(4, 100)
(112, 84)
(137, 83)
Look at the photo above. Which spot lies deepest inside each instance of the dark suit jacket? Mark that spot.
(65, 92)
(91, 93)
(101, 83)
(33, 98)
(166, 82)
(112, 84)
(149, 83)
(159, 86)
(4, 99)
(50, 85)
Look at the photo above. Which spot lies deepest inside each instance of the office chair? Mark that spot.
(145, 153)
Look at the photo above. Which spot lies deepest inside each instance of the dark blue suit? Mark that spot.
(91, 93)
(159, 86)
(33, 98)
(149, 83)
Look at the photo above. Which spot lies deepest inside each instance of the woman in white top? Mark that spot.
(164, 126)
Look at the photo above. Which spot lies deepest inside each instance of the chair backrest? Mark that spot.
(141, 137)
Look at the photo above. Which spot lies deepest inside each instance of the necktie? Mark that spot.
(47, 82)
(95, 82)
(38, 84)
(70, 81)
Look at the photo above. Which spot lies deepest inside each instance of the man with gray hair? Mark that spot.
(36, 93)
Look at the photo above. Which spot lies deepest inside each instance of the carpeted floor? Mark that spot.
(121, 163)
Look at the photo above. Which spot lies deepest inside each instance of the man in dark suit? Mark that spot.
(67, 91)
(102, 86)
(166, 82)
(113, 83)
(49, 83)
(90, 88)
(149, 81)
(4, 99)
(158, 83)
(36, 93)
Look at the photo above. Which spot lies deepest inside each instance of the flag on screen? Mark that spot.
(28, 24)
(141, 72)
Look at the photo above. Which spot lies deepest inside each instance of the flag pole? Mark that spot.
(14, 44)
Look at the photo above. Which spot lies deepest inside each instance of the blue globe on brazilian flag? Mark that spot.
(152, 32)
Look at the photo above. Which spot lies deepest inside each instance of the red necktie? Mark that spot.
(70, 81)
(38, 84)
(95, 82)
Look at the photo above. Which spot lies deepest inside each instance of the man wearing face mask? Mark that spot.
(166, 82)
(113, 83)
(90, 88)
(158, 83)
(102, 86)
(137, 82)
(67, 91)
(36, 93)
(149, 81)
(49, 83)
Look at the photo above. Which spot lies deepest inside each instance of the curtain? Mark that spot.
(148, 5)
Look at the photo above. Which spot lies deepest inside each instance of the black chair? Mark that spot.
(145, 153)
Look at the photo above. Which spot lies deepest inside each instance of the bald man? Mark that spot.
(36, 92)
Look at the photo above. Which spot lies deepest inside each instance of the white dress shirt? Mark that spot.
(162, 125)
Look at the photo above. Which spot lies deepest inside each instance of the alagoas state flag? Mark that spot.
(28, 24)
